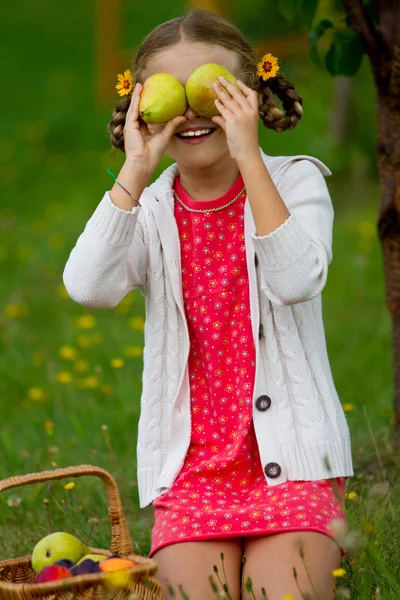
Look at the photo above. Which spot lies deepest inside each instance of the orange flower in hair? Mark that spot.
(124, 85)
(267, 67)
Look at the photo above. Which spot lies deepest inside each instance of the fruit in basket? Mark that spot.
(85, 567)
(65, 562)
(56, 546)
(199, 88)
(52, 573)
(115, 564)
(163, 97)
(95, 557)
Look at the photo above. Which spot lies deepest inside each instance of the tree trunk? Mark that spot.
(389, 226)
(380, 32)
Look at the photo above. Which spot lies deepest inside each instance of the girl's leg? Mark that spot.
(270, 561)
(190, 564)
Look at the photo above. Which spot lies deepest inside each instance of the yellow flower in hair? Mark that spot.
(124, 85)
(267, 67)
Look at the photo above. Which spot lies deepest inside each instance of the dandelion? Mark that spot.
(288, 597)
(353, 496)
(267, 67)
(137, 323)
(84, 340)
(106, 389)
(64, 377)
(369, 527)
(69, 486)
(49, 427)
(133, 351)
(38, 358)
(347, 407)
(81, 366)
(67, 352)
(14, 501)
(338, 572)
(125, 83)
(86, 322)
(16, 310)
(117, 363)
(37, 394)
(89, 383)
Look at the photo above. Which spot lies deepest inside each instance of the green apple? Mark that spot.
(55, 547)
(95, 557)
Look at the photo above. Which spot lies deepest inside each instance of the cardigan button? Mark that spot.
(272, 470)
(263, 403)
(260, 331)
(256, 260)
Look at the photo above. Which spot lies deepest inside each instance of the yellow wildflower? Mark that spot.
(38, 358)
(17, 310)
(338, 572)
(267, 67)
(352, 496)
(49, 427)
(288, 597)
(86, 322)
(367, 229)
(125, 83)
(90, 382)
(36, 394)
(67, 352)
(369, 527)
(64, 377)
(133, 351)
(69, 486)
(84, 340)
(81, 366)
(117, 363)
(137, 323)
(347, 407)
(106, 389)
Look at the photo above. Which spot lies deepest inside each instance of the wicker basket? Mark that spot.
(17, 578)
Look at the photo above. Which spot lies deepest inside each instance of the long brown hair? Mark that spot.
(207, 27)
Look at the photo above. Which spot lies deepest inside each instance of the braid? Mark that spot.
(271, 115)
(117, 123)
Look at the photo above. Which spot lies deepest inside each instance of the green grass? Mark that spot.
(55, 153)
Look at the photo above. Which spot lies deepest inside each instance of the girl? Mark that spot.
(243, 446)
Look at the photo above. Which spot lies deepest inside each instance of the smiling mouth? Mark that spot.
(195, 133)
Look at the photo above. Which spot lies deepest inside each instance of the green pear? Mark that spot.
(162, 99)
(199, 91)
(56, 546)
(95, 557)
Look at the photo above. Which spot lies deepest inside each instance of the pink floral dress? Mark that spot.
(221, 490)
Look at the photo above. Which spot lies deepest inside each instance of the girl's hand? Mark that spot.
(141, 147)
(239, 120)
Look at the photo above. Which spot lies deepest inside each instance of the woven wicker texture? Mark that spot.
(17, 578)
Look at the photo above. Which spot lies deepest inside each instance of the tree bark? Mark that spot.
(381, 38)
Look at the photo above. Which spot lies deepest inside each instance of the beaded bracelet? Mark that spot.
(121, 186)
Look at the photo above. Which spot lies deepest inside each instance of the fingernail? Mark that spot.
(221, 78)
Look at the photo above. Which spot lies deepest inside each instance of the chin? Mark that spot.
(196, 157)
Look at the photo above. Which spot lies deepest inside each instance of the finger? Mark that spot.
(133, 110)
(225, 112)
(234, 92)
(220, 122)
(171, 126)
(250, 94)
(226, 99)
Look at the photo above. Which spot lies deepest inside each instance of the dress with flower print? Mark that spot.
(221, 490)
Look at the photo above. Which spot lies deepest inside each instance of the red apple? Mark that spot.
(52, 573)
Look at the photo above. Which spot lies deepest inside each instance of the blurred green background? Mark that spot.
(70, 379)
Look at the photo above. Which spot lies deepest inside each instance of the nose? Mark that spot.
(190, 114)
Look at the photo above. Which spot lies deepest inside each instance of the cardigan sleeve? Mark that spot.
(110, 257)
(294, 258)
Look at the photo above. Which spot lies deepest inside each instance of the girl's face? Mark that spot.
(180, 61)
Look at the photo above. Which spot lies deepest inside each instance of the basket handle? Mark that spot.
(121, 542)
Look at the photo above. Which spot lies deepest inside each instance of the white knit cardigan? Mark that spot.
(303, 434)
